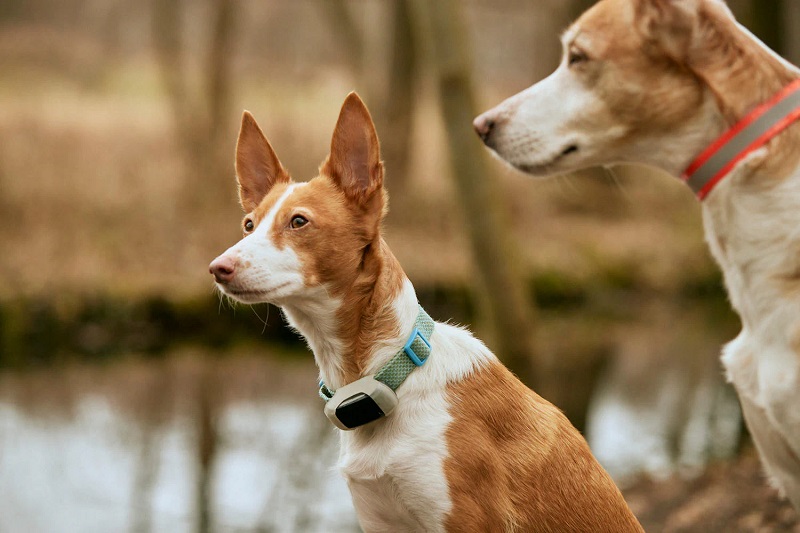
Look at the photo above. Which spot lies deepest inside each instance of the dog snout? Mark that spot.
(223, 268)
(484, 125)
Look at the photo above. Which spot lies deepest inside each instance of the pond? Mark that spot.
(116, 449)
(197, 439)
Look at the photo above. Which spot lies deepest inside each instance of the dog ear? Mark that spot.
(354, 163)
(670, 24)
(258, 169)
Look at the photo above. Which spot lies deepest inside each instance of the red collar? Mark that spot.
(752, 132)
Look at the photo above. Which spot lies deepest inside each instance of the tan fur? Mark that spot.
(517, 461)
(648, 86)
(357, 266)
(258, 169)
(512, 461)
(643, 91)
(656, 82)
(740, 73)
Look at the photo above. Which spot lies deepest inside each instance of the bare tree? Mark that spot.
(394, 116)
(154, 416)
(767, 22)
(503, 295)
(398, 112)
(348, 32)
(207, 406)
(199, 107)
(792, 21)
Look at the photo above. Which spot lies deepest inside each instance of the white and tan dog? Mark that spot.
(677, 84)
(468, 447)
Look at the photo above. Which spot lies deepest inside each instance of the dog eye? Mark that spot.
(298, 221)
(576, 56)
(248, 225)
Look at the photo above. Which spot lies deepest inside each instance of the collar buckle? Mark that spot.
(373, 397)
(409, 350)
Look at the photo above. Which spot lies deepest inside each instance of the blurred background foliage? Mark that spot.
(118, 121)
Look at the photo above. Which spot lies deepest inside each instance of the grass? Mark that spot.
(92, 182)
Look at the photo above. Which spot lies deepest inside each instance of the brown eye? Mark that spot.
(298, 221)
(248, 226)
(576, 56)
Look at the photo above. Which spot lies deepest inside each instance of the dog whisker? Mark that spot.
(615, 178)
(262, 320)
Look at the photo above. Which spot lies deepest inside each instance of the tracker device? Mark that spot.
(359, 403)
(373, 397)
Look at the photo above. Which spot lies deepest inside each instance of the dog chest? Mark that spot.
(394, 467)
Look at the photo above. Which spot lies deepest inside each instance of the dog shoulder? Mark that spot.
(516, 463)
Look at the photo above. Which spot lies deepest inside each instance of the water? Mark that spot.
(83, 470)
(89, 448)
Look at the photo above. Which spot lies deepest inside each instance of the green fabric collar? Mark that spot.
(413, 354)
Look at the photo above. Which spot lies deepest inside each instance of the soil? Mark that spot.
(731, 496)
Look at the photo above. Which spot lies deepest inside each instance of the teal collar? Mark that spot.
(415, 352)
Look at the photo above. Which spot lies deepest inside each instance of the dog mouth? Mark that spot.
(572, 148)
(548, 166)
(251, 296)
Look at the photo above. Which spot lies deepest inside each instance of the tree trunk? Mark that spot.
(155, 415)
(347, 32)
(399, 103)
(767, 22)
(200, 115)
(207, 444)
(577, 7)
(504, 295)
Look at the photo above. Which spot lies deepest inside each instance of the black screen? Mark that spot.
(358, 410)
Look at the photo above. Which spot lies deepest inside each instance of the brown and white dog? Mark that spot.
(657, 82)
(468, 447)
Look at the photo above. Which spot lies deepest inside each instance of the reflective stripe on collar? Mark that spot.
(753, 131)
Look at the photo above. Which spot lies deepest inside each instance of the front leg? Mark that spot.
(767, 379)
(781, 463)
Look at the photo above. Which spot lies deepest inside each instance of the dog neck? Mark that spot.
(742, 73)
(357, 331)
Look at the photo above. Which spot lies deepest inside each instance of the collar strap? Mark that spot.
(415, 352)
(752, 132)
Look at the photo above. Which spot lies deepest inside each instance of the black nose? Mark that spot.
(483, 127)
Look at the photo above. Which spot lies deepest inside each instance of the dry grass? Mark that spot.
(91, 184)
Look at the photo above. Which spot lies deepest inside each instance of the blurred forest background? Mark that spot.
(133, 399)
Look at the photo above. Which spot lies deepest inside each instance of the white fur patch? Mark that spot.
(541, 122)
(264, 272)
(751, 234)
(752, 225)
(395, 467)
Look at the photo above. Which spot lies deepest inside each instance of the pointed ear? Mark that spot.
(354, 163)
(257, 167)
(670, 24)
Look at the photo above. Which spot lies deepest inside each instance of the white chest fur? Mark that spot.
(395, 467)
(755, 237)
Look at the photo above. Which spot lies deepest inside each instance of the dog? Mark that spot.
(680, 85)
(460, 444)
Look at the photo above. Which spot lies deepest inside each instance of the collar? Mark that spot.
(415, 352)
(753, 131)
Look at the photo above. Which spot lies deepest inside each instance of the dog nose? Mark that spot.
(223, 269)
(483, 127)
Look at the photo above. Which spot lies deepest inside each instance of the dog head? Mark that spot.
(305, 240)
(631, 87)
